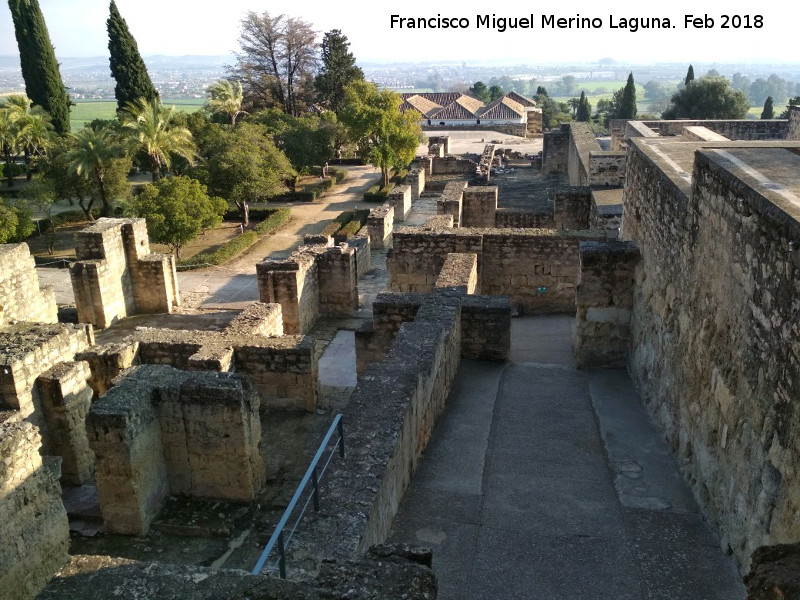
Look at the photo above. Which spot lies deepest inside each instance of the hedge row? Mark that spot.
(73, 216)
(377, 193)
(240, 243)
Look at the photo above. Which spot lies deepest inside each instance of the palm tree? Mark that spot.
(91, 157)
(151, 129)
(10, 139)
(225, 97)
(36, 128)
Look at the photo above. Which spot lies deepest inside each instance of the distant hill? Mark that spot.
(87, 64)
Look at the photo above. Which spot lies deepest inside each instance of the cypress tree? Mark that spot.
(627, 106)
(127, 66)
(769, 111)
(584, 112)
(43, 83)
(338, 69)
(689, 76)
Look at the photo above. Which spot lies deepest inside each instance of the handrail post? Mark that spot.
(315, 485)
(281, 556)
(341, 437)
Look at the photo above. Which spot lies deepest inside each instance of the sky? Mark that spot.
(181, 27)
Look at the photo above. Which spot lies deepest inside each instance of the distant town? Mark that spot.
(188, 77)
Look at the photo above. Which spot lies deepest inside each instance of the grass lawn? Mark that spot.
(86, 111)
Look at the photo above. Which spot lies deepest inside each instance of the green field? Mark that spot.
(86, 111)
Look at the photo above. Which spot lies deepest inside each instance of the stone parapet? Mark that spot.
(379, 225)
(479, 206)
(451, 201)
(400, 199)
(21, 296)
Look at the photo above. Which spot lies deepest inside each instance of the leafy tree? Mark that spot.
(11, 139)
(769, 111)
(792, 102)
(16, 223)
(225, 97)
(127, 66)
(712, 73)
(740, 82)
(708, 98)
(243, 165)
(338, 70)
(98, 157)
(38, 63)
(480, 91)
(177, 209)
(626, 108)
(568, 83)
(495, 92)
(150, 128)
(541, 91)
(654, 91)
(584, 112)
(574, 103)
(689, 76)
(386, 137)
(276, 62)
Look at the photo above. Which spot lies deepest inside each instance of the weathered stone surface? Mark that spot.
(571, 208)
(582, 143)
(379, 225)
(604, 300)
(479, 206)
(460, 273)
(714, 329)
(393, 574)
(400, 199)
(21, 297)
(115, 275)
(451, 201)
(774, 573)
(34, 537)
(160, 431)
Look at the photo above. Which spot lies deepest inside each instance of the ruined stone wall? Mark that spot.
(459, 273)
(34, 537)
(746, 129)
(616, 127)
(115, 275)
(453, 165)
(506, 218)
(715, 343)
(21, 297)
(451, 202)
(486, 328)
(294, 284)
(338, 281)
(607, 168)
(604, 298)
(582, 142)
(107, 361)
(160, 431)
(26, 351)
(606, 209)
(379, 225)
(65, 397)
(416, 180)
(389, 312)
(400, 199)
(361, 244)
(479, 206)
(571, 208)
(793, 128)
(555, 151)
(388, 423)
(536, 268)
(442, 140)
(694, 133)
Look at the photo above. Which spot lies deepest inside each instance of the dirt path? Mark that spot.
(311, 217)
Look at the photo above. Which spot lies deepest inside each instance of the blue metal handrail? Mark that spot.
(313, 475)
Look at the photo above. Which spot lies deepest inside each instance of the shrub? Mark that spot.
(379, 195)
(73, 216)
(241, 242)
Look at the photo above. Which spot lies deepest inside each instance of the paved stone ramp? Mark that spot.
(545, 482)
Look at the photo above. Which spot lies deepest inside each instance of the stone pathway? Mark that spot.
(545, 482)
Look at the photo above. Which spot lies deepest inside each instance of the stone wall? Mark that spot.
(479, 206)
(416, 181)
(606, 209)
(506, 218)
(389, 312)
(555, 151)
(450, 165)
(451, 201)
(442, 140)
(536, 268)
(696, 133)
(115, 275)
(313, 280)
(793, 130)
(21, 297)
(34, 537)
(715, 343)
(161, 431)
(65, 397)
(582, 142)
(459, 273)
(28, 350)
(379, 224)
(571, 208)
(518, 129)
(486, 328)
(607, 168)
(400, 199)
(616, 127)
(361, 244)
(604, 298)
